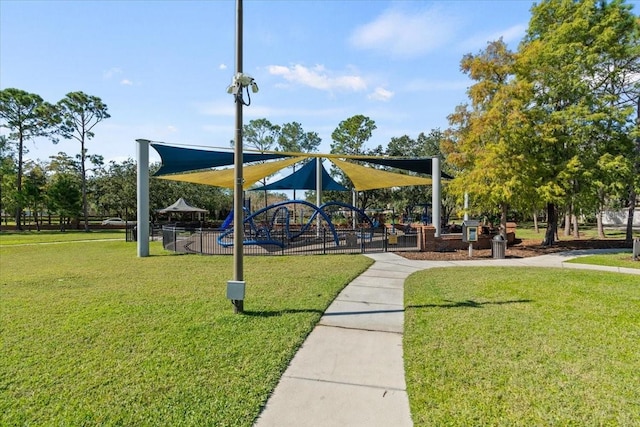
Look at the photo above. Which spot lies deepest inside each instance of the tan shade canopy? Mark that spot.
(366, 178)
(362, 177)
(225, 177)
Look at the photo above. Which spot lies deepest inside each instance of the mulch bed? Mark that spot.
(520, 249)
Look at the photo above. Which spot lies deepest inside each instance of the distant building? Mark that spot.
(618, 218)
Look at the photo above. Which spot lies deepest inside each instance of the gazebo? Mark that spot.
(181, 207)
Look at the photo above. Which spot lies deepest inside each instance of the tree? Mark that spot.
(27, 116)
(65, 197)
(80, 113)
(292, 138)
(261, 135)
(115, 188)
(426, 145)
(34, 191)
(571, 53)
(8, 174)
(349, 138)
(485, 137)
(351, 135)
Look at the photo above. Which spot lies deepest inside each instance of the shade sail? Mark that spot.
(304, 179)
(179, 159)
(225, 177)
(365, 178)
(419, 165)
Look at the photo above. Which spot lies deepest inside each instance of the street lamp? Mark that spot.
(236, 287)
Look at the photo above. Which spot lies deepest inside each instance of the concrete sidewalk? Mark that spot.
(350, 369)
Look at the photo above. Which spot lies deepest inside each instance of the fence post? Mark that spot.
(324, 242)
(385, 240)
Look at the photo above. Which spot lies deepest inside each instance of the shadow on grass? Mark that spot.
(469, 304)
(274, 313)
(349, 313)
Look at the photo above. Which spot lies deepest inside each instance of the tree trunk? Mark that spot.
(599, 224)
(633, 196)
(574, 222)
(19, 184)
(631, 212)
(503, 220)
(567, 222)
(85, 208)
(601, 204)
(535, 222)
(552, 225)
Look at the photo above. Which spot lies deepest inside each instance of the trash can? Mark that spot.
(636, 249)
(498, 247)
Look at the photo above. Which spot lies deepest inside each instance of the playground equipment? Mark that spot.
(259, 228)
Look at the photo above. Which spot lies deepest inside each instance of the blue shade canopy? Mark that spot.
(419, 165)
(304, 179)
(179, 159)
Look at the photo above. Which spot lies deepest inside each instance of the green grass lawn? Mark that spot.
(50, 236)
(93, 335)
(498, 346)
(526, 231)
(622, 259)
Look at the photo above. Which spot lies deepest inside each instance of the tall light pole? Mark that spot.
(237, 287)
(436, 198)
(241, 81)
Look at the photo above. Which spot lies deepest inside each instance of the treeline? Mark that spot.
(555, 124)
(54, 187)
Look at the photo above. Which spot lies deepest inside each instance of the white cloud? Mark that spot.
(172, 129)
(111, 72)
(511, 35)
(318, 77)
(405, 34)
(126, 82)
(222, 67)
(381, 94)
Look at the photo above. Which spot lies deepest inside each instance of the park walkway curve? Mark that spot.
(350, 369)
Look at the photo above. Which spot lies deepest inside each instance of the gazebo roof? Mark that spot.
(181, 206)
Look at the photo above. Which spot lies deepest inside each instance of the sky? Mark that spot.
(163, 67)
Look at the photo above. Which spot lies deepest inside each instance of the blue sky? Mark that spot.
(162, 67)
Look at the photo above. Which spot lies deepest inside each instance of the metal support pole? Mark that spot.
(436, 199)
(354, 200)
(142, 183)
(238, 212)
(466, 206)
(318, 192)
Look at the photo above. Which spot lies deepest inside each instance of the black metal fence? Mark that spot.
(155, 232)
(286, 241)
